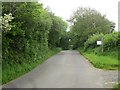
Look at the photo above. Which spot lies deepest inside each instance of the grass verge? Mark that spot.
(16, 70)
(100, 61)
(107, 62)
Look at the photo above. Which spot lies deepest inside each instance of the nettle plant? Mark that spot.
(5, 22)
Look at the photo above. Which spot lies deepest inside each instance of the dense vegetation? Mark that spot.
(87, 27)
(106, 61)
(103, 56)
(110, 42)
(86, 22)
(30, 35)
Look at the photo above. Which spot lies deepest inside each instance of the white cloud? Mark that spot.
(64, 8)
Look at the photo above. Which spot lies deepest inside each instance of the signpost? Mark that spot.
(100, 43)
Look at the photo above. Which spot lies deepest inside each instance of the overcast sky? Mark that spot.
(64, 8)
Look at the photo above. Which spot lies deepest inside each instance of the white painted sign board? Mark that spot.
(99, 42)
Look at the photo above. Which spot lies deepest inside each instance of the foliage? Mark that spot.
(34, 32)
(111, 41)
(57, 31)
(29, 38)
(107, 59)
(4, 22)
(11, 72)
(86, 22)
(99, 61)
(91, 42)
(65, 41)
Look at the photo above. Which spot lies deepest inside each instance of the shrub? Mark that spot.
(91, 42)
(110, 41)
(110, 44)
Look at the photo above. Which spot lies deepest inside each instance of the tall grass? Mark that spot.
(16, 70)
(101, 61)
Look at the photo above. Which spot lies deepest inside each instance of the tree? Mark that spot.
(86, 22)
(34, 31)
(57, 30)
(65, 41)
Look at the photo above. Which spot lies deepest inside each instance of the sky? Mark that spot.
(65, 8)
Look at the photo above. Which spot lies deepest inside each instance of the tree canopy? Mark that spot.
(33, 30)
(86, 22)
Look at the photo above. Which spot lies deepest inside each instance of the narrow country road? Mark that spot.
(67, 69)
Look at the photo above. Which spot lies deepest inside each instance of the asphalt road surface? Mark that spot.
(67, 69)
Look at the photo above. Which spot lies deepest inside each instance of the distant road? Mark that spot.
(67, 69)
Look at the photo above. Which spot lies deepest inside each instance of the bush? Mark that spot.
(26, 38)
(110, 41)
(10, 71)
(110, 44)
(28, 33)
(91, 42)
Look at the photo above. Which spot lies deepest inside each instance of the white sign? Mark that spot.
(99, 42)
